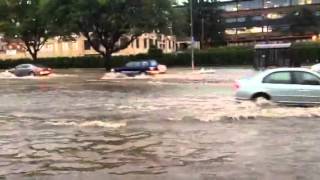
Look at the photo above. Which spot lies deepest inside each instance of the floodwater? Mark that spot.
(84, 124)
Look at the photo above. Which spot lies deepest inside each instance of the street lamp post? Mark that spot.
(191, 34)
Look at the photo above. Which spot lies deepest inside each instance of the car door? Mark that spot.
(25, 70)
(279, 85)
(308, 86)
(19, 70)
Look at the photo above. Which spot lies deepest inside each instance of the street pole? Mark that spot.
(202, 33)
(192, 36)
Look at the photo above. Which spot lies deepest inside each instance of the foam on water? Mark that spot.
(114, 76)
(202, 75)
(213, 108)
(8, 75)
(54, 75)
(90, 124)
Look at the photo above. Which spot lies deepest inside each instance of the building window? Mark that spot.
(231, 20)
(244, 30)
(303, 2)
(230, 7)
(145, 43)
(137, 43)
(275, 16)
(276, 3)
(241, 19)
(257, 18)
(231, 31)
(151, 42)
(170, 44)
(87, 45)
(247, 5)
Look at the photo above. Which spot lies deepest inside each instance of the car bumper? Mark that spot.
(240, 95)
(44, 73)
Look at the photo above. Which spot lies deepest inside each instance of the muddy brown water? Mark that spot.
(182, 125)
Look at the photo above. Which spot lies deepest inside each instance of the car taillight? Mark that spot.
(236, 86)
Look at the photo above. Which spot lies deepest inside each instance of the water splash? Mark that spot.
(114, 76)
(90, 124)
(8, 75)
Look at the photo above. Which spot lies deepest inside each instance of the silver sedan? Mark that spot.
(282, 85)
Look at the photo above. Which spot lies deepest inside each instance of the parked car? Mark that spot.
(281, 85)
(141, 67)
(30, 70)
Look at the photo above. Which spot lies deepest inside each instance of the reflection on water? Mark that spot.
(156, 126)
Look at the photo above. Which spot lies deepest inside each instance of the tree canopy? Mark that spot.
(111, 25)
(31, 21)
(302, 21)
(207, 19)
(208, 23)
(108, 25)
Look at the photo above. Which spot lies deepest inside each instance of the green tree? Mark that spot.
(111, 25)
(302, 21)
(208, 22)
(31, 21)
(180, 22)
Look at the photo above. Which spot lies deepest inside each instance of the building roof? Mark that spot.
(270, 46)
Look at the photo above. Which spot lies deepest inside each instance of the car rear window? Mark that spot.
(153, 63)
(305, 78)
(133, 64)
(278, 78)
(23, 66)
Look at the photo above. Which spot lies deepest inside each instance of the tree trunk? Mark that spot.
(107, 59)
(34, 56)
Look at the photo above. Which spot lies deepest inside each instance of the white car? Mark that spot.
(282, 85)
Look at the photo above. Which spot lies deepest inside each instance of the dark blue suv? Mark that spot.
(141, 67)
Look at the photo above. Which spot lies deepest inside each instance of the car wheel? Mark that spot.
(32, 74)
(143, 73)
(260, 97)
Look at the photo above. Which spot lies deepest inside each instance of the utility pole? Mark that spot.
(202, 32)
(192, 36)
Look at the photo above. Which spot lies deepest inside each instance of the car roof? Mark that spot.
(288, 69)
(269, 71)
(25, 65)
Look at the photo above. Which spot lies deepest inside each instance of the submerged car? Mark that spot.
(30, 70)
(141, 67)
(282, 85)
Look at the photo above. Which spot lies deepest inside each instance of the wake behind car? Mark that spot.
(282, 85)
(141, 67)
(30, 70)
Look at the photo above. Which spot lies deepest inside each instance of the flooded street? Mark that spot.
(181, 125)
